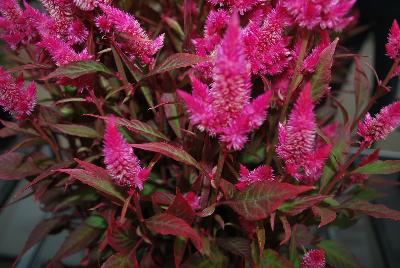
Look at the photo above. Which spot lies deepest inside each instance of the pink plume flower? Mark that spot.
(297, 141)
(77, 33)
(266, 44)
(137, 44)
(393, 45)
(326, 14)
(311, 61)
(120, 160)
(193, 200)
(14, 97)
(61, 52)
(314, 258)
(88, 5)
(379, 127)
(261, 173)
(61, 12)
(240, 5)
(225, 108)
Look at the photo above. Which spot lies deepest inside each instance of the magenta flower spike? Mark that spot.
(297, 141)
(61, 12)
(266, 44)
(393, 45)
(88, 5)
(14, 97)
(379, 127)
(261, 173)
(240, 5)
(314, 258)
(137, 44)
(120, 160)
(225, 108)
(325, 14)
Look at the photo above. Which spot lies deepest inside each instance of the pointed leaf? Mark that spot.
(122, 238)
(374, 210)
(259, 200)
(337, 255)
(77, 69)
(76, 130)
(181, 209)
(287, 229)
(327, 215)
(167, 224)
(380, 167)
(295, 207)
(15, 166)
(170, 151)
(171, 112)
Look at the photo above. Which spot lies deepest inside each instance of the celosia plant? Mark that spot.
(189, 133)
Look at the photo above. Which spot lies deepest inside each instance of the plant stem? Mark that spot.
(125, 208)
(53, 145)
(217, 180)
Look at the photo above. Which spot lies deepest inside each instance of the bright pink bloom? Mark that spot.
(311, 61)
(326, 14)
(314, 258)
(90, 4)
(225, 108)
(14, 97)
(241, 5)
(15, 24)
(379, 127)
(297, 141)
(61, 52)
(193, 200)
(266, 44)
(121, 162)
(137, 43)
(77, 33)
(262, 173)
(393, 45)
(61, 12)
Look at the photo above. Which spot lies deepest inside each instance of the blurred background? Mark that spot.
(373, 242)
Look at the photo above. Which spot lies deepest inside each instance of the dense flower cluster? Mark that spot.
(393, 45)
(262, 173)
(314, 258)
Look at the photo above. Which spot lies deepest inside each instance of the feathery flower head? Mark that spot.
(314, 258)
(311, 61)
(61, 52)
(137, 43)
(266, 44)
(326, 14)
(61, 12)
(261, 173)
(393, 45)
(225, 108)
(297, 141)
(14, 97)
(77, 33)
(88, 5)
(379, 127)
(120, 160)
(240, 5)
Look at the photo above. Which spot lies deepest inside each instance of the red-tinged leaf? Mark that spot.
(327, 215)
(322, 76)
(121, 260)
(122, 238)
(295, 207)
(379, 167)
(76, 130)
(259, 200)
(301, 236)
(162, 198)
(181, 209)
(16, 166)
(26, 142)
(176, 61)
(236, 245)
(272, 259)
(26, 67)
(103, 184)
(227, 188)
(77, 240)
(337, 255)
(373, 210)
(138, 127)
(208, 211)
(170, 151)
(167, 224)
(180, 244)
(101, 172)
(77, 69)
(172, 112)
(287, 229)
(16, 128)
(39, 233)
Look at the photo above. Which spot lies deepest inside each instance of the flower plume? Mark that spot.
(393, 45)
(90, 4)
(261, 173)
(121, 162)
(379, 127)
(297, 141)
(14, 97)
(314, 258)
(225, 108)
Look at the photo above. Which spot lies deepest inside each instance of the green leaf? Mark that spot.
(176, 61)
(322, 76)
(171, 112)
(78, 68)
(170, 151)
(167, 224)
(379, 167)
(271, 259)
(298, 205)
(76, 130)
(259, 200)
(16, 166)
(337, 255)
(120, 260)
(96, 221)
(374, 210)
